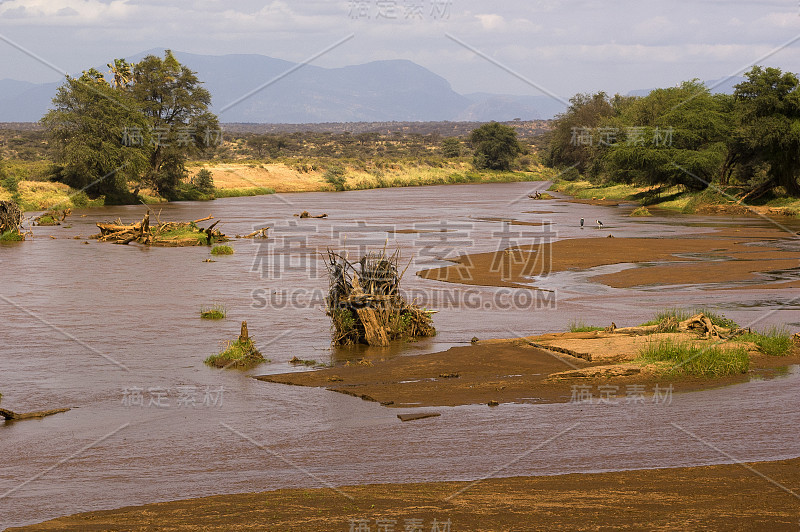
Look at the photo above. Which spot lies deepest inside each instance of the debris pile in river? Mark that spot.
(10, 220)
(53, 217)
(365, 305)
(165, 234)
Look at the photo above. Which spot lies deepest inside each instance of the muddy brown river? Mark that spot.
(114, 332)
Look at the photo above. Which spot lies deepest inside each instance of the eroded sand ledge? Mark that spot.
(720, 497)
(516, 371)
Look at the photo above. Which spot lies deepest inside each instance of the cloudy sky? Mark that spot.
(523, 47)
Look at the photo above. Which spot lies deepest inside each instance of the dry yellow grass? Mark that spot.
(5, 195)
(45, 194)
(279, 177)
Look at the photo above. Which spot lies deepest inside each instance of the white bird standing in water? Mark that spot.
(599, 224)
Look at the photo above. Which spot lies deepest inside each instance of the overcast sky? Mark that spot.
(561, 47)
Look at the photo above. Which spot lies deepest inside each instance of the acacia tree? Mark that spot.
(139, 129)
(768, 134)
(565, 147)
(85, 126)
(176, 104)
(677, 135)
(495, 146)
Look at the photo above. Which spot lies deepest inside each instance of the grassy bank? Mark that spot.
(676, 198)
(27, 182)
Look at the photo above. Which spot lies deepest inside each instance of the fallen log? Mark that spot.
(8, 415)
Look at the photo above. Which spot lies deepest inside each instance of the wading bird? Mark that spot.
(599, 224)
(581, 222)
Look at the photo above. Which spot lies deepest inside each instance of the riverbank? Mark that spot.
(30, 189)
(753, 496)
(674, 199)
(550, 368)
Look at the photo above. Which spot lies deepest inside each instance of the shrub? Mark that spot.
(641, 211)
(336, 176)
(222, 250)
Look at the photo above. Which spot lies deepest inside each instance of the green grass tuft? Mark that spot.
(222, 250)
(214, 312)
(690, 359)
(238, 354)
(641, 211)
(11, 236)
(684, 314)
(579, 326)
(776, 342)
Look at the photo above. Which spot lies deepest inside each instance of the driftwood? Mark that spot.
(259, 233)
(157, 235)
(365, 305)
(699, 323)
(305, 214)
(8, 415)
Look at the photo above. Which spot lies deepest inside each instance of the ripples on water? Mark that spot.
(73, 312)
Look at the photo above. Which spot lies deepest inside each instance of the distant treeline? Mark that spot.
(524, 128)
(390, 140)
(747, 142)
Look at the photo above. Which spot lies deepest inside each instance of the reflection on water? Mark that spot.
(95, 326)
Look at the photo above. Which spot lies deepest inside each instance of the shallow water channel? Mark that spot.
(96, 326)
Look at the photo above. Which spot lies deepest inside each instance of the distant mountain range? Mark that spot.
(379, 91)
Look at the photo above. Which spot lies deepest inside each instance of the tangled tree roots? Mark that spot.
(365, 304)
(10, 216)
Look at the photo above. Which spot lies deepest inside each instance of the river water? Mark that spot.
(114, 332)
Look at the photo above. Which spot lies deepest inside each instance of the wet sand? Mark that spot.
(510, 371)
(723, 256)
(756, 496)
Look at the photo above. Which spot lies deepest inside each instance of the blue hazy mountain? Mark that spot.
(254, 88)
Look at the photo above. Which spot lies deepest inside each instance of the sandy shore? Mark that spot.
(758, 496)
(513, 371)
(723, 256)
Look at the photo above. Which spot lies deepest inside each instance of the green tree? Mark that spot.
(451, 147)
(768, 133)
(176, 104)
(204, 181)
(86, 127)
(496, 146)
(672, 136)
(571, 142)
